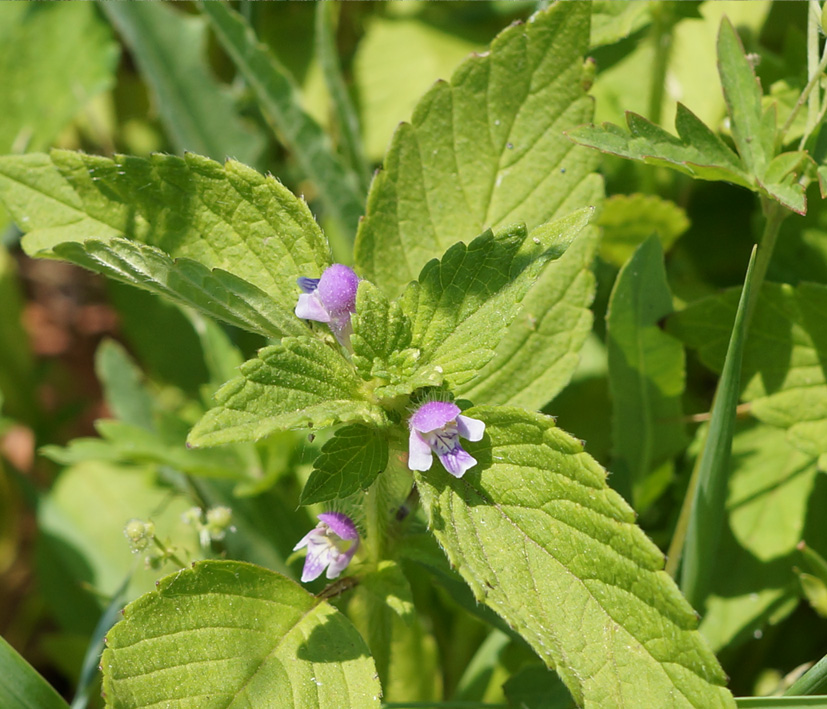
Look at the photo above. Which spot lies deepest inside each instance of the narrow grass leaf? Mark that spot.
(21, 686)
(646, 374)
(193, 638)
(347, 120)
(713, 467)
(540, 538)
(280, 102)
(198, 113)
(812, 681)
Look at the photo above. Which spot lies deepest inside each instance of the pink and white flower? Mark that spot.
(330, 545)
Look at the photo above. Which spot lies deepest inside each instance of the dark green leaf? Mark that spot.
(350, 461)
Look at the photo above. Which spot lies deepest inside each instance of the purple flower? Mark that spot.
(327, 546)
(330, 299)
(436, 428)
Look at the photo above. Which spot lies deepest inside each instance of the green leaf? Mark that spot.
(381, 352)
(462, 305)
(301, 382)
(753, 581)
(812, 681)
(280, 102)
(613, 21)
(170, 49)
(536, 687)
(707, 493)
(540, 538)
(752, 134)
(646, 375)
(123, 385)
(628, 220)
(782, 702)
(540, 351)
(193, 638)
(483, 150)
(347, 120)
(226, 217)
(350, 461)
(53, 59)
(698, 152)
(786, 384)
(21, 686)
(184, 281)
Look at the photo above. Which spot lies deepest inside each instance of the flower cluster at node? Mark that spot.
(330, 545)
(436, 428)
(330, 299)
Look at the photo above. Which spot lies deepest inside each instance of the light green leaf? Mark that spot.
(707, 491)
(226, 217)
(783, 360)
(753, 137)
(698, 152)
(628, 220)
(381, 351)
(349, 462)
(540, 350)
(753, 581)
(170, 49)
(540, 538)
(280, 102)
(301, 382)
(646, 375)
(123, 385)
(185, 281)
(613, 20)
(53, 59)
(484, 150)
(193, 639)
(21, 686)
(791, 702)
(463, 304)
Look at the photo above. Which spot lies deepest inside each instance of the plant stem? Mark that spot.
(774, 215)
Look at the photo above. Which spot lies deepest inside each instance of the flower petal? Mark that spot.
(318, 557)
(472, 429)
(310, 307)
(433, 415)
(457, 461)
(419, 453)
(341, 524)
(308, 285)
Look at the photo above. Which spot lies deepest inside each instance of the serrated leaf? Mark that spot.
(227, 217)
(381, 351)
(752, 131)
(698, 152)
(484, 150)
(184, 281)
(53, 59)
(753, 581)
(301, 382)
(192, 642)
(349, 462)
(783, 368)
(170, 49)
(21, 686)
(281, 104)
(540, 538)
(646, 374)
(541, 349)
(628, 220)
(463, 304)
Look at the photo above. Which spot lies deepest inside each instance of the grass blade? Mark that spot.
(279, 101)
(812, 681)
(344, 111)
(21, 686)
(709, 486)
